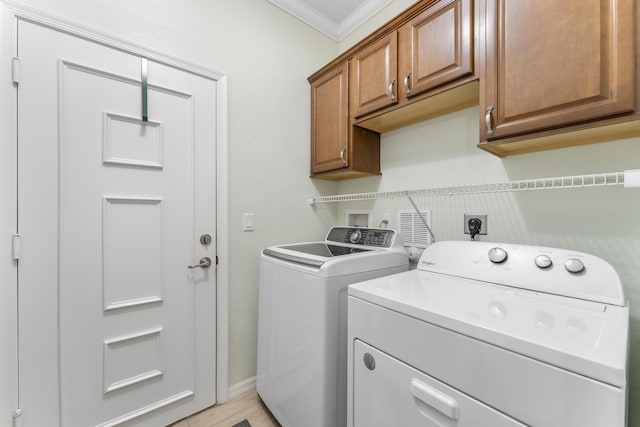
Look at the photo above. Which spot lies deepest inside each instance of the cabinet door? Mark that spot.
(329, 120)
(375, 71)
(554, 63)
(437, 46)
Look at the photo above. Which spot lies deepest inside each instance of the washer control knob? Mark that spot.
(543, 261)
(497, 255)
(574, 265)
(355, 236)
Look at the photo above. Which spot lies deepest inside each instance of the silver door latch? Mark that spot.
(204, 263)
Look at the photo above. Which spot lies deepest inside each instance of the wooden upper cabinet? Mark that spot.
(436, 46)
(375, 75)
(549, 64)
(338, 149)
(330, 120)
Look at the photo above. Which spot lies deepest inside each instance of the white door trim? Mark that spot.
(8, 219)
(10, 14)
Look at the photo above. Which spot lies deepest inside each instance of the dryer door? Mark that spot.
(388, 392)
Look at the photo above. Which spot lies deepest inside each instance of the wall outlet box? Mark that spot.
(358, 218)
(481, 217)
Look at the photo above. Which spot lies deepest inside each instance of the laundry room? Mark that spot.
(258, 62)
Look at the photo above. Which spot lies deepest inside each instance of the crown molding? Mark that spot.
(309, 16)
(329, 27)
(359, 16)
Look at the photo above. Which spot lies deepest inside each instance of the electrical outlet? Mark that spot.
(481, 217)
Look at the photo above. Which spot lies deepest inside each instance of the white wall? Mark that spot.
(267, 55)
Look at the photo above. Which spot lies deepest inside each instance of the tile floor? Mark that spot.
(246, 406)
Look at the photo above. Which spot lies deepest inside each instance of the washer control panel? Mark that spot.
(377, 237)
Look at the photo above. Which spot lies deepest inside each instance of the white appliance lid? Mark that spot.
(584, 337)
(313, 253)
(361, 248)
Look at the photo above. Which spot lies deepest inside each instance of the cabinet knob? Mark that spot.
(342, 153)
(487, 119)
(391, 94)
(406, 83)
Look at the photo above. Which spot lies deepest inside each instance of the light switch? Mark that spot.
(247, 222)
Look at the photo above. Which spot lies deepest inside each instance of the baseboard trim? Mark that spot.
(242, 387)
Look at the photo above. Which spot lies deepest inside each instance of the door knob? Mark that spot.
(204, 263)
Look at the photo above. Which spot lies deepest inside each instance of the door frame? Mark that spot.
(10, 14)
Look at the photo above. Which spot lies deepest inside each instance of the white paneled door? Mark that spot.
(114, 328)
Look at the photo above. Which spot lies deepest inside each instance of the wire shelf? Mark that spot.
(561, 182)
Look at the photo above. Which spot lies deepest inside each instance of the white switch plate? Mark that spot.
(247, 222)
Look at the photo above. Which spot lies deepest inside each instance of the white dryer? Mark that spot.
(488, 335)
(302, 320)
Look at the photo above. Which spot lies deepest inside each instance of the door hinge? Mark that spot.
(17, 418)
(16, 247)
(15, 70)
(216, 259)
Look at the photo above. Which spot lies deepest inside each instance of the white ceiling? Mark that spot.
(335, 18)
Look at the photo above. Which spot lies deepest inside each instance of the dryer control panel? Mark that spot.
(536, 268)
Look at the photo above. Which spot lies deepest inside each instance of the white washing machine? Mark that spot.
(488, 335)
(302, 321)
